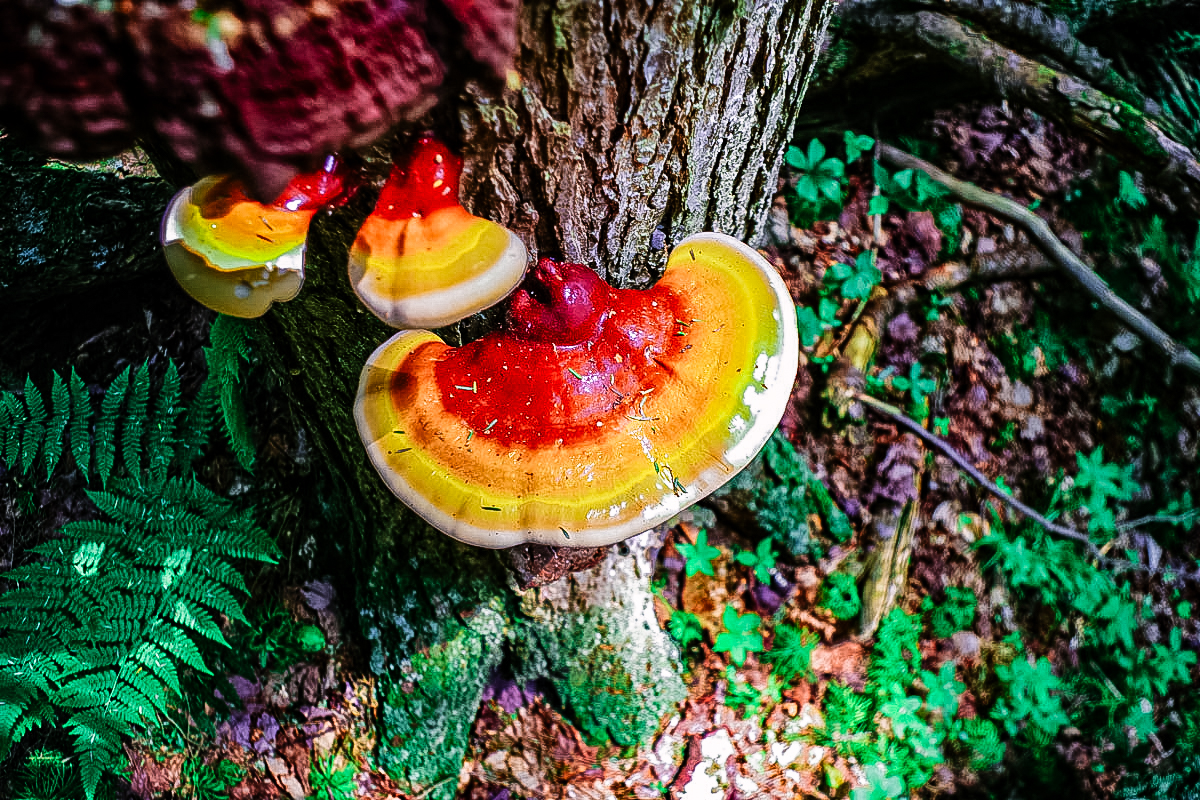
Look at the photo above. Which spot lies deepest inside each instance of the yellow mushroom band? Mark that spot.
(238, 256)
(422, 261)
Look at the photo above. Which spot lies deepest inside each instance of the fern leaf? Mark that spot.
(81, 418)
(60, 401)
(210, 595)
(237, 425)
(188, 615)
(134, 419)
(231, 339)
(130, 707)
(159, 663)
(86, 691)
(106, 426)
(196, 425)
(145, 684)
(97, 742)
(220, 571)
(35, 425)
(119, 629)
(161, 435)
(10, 428)
(18, 719)
(96, 530)
(178, 644)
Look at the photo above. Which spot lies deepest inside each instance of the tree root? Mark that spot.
(1044, 237)
(1050, 35)
(1144, 140)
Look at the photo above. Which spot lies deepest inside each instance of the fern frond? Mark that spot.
(192, 617)
(35, 425)
(174, 641)
(196, 425)
(145, 684)
(220, 572)
(85, 691)
(81, 418)
(134, 419)
(106, 426)
(211, 594)
(97, 742)
(10, 427)
(17, 719)
(60, 401)
(160, 442)
(159, 663)
(231, 346)
(97, 627)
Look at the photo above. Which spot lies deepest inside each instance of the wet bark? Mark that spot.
(635, 124)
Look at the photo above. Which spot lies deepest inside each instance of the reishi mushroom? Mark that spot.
(238, 256)
(260, 87)
(597, 413)
(420, 259)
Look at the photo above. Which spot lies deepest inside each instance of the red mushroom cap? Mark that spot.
(238, 256)
(598, 412)
(420, 259)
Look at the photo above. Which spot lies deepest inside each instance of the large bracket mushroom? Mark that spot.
(423, 261)
(597, 413)
(238, 256)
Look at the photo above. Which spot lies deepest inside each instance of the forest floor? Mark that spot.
(799, 684)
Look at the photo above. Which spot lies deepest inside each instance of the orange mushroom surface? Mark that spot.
(597, 413)
(238, 256)
(420, 259)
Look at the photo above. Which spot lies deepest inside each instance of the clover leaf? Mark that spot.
(858, 279)
(856, 145)
(817, 175)
(762, 560)
(882, 784)
(810, 326)
(918, 387)
(741, 635)
(698, 557)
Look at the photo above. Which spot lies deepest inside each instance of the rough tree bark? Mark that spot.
(626, 127)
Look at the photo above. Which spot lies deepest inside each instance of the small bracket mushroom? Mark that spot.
(597, 413)
(420, 259)
(238, 256)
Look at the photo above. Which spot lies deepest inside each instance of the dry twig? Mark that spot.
(1045, 238)
(960, 461)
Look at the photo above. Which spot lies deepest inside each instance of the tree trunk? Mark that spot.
(626, 127)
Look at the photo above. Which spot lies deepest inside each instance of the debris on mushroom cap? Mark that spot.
(420, 259)
(597, 413)
(259, 87)
(238, 256)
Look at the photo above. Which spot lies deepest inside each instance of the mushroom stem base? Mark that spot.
(538, 564)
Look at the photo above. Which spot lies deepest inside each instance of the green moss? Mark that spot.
(71, 229)
(426, 718)
(615, 691)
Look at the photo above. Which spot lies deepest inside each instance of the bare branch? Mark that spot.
(960, 461)
(1045, 238)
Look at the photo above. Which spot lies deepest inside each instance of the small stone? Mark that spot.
(966, 645)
